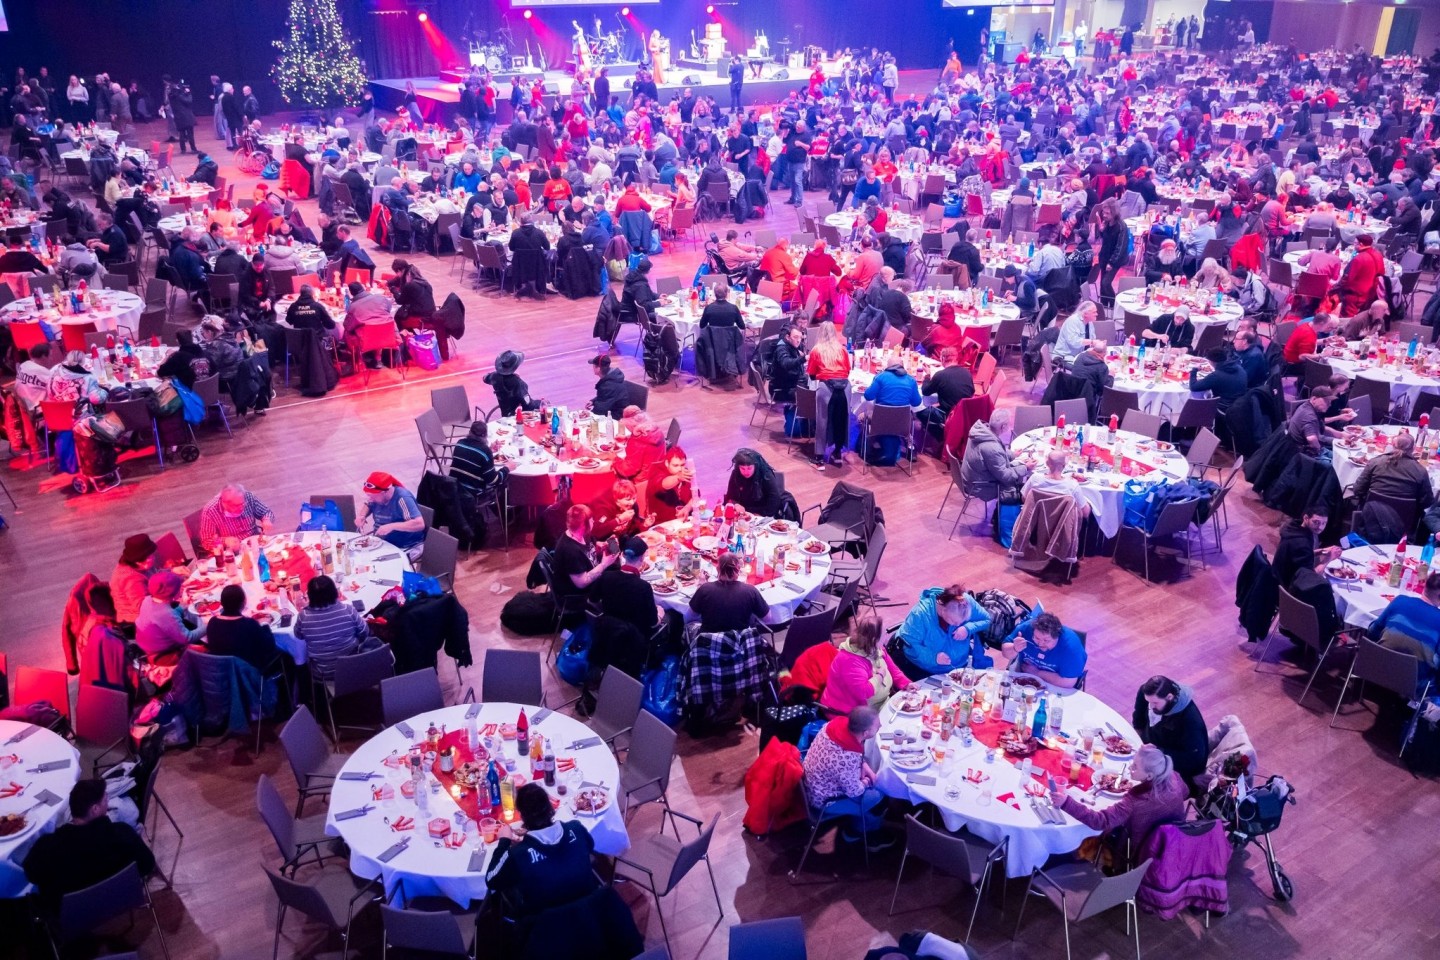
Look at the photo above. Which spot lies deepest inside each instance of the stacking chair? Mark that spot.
(1202, 451)
(512, 676)
(328, 899)
(1075, 410)
(136, 416)
(1079, 892)
(1175, 519)
(861, 572)
(446, 932)
(452, 405)
(410, 694)
(1118, 403)
(1393, 670)
(354, 691)
(780, 939)
(657, 863)
(33, 684)
(822, 813)
(617, 705)
(295, 837)
(808, 630)
(84, 910)
(102, 726)
(1300, 622)
(1145, 424)
(888, 421)
(1032, 417)
(314, 766)
(208, 390)
(805, 411)
(433, 440)
(645, 777)
(440, 556)
(959, 854)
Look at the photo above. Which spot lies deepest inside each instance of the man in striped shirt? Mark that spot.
(233, 515)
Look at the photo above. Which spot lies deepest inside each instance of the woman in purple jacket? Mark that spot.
(1158, 797)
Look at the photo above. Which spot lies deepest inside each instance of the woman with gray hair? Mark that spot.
(1157, 796)
(987, 469)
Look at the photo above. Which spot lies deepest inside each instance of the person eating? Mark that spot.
(1044, 647)
(391, 513)
(838, 777)
(670, 486)
(944, 630)
(1158, 797)
(615, 512)
(233, 515)
(862, 673)
(728, 603)
(1167, 717)
(754, 485)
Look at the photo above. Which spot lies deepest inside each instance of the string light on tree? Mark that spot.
(317, 66)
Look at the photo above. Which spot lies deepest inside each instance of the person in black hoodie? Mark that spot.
(610, 393)
(511, 392)
(755, 485)
(88, 849)
(1228, 381)
(787, 364)
(638, 292)
(1166, 715)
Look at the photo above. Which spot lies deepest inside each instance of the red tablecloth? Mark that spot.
(1051, 761)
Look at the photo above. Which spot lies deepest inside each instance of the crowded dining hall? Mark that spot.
(513, 481)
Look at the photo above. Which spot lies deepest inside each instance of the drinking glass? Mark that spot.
(986, 795)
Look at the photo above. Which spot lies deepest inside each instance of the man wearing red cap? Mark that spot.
(391, 513)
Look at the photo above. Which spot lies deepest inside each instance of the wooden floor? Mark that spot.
(1360, 846)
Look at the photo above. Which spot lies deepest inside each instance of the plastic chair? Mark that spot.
(448, 932)
(314, 766)
(617, 705)
(137, 418)
(512, 676)
(409, 695)
(325, 899)
(295, 838)
(863, 573)
(1079, 892)
(1391, 669)
(440, 555)
(645, 777)
(379, 338)
(957, 854)
(345, 502)
(33, 684)
(102, 723)
(1075, 410)
(84, 910)
(1202, 451)
(657, 863)
(820, 814)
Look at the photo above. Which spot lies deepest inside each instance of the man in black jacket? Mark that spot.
(1090, 365)
(308, 313)
(949, 386)
(88, 849)
(1227, 381)
(630, 601)
(415, 302)
(638, 292)
(787, 366)
(610, 393)
(528, 245)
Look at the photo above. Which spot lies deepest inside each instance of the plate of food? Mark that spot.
(706, 543)
(665, 588)
(605, 446)
(815, 547)
(12, 825)
(1113, 784)
(204, 581)
(911, 758)
(206, 608)
(471, 772)
(588, 463)
(1340, 570)
(1118, 748)
(1025, 680)
(1017, 744)
(780, 526)
(1164, 447)
(652, 538)
(367, 542)
(591, 801)
(263, 618)
(910, 701)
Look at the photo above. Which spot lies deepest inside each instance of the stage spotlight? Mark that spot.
(424, 17)
(624, 11)
(710, 9)
(529, 14)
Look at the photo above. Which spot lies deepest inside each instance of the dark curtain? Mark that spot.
(395, 44)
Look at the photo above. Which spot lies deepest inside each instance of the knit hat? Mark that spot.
(379, 480)
(164, 585)
(137, 547)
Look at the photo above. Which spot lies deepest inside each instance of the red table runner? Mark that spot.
(1047, 759)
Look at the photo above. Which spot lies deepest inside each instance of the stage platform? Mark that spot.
(439, 97)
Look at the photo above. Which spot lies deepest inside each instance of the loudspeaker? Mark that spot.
(690, 80)
(722, 68)
(782, 75)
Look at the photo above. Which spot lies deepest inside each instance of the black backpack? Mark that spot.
(529, 614)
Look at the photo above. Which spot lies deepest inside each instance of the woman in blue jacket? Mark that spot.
(941, 633)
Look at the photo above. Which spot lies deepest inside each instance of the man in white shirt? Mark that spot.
(32, 382)
(1077, 329)
(1056, 480)
(1048, 257)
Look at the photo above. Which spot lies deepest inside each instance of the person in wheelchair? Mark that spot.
(735, 256)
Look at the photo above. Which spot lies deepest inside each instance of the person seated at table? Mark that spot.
(1411, 624)
(1048, 254)
(549, 866)
(728, 603)
(720, 312)
(1370, 322)
(574, 565)
(87, 849)
(610, 393)
(1325, 261)
(736, 254)
(1246, 349)
(838, 778)
(1166, 716)
(330, 628)
(787, 364)
(1091, 367)
(892, 298)
(1158, 797)
(781, 267)
(1306, 426)
(987, 470)
(1397, 476)
(130, 580)
(472, 463)
(1298, 546)
(754, 485)
(232, 515)
(511, 392)
(112, 246)
(1075, 332)
(308, 313)
(1227, 381)
(1055, 480)
(162, 627)
(1304, 342)
(819, 262)
(224, 354)
(946, 333)
(1044, 647)
(966, 254)
(1172, 329)
(638, 294)
(945, 629)
(893, 387)
(616, 512)
(105, 659)
(631, 200)
(390, 512)
(670, 487)
(862, 673)
(644, 445)
(232, 634)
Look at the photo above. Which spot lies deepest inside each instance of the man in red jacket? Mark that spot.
(1357, 284)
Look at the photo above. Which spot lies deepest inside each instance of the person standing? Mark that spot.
(182, 114)
(829, 366)
(797, 151)
(737, 84)
(215, 91)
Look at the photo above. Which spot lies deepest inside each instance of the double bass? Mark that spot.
(582, 47)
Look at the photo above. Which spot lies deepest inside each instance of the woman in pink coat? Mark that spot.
(862, 673)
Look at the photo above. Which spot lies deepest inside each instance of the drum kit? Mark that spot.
(495, 55)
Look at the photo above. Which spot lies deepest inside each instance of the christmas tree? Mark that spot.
(317, 65)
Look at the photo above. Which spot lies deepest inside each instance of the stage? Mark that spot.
(439, 96)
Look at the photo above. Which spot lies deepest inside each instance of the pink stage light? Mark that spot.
(424, 17)
(529, 14)
(710, 9)
(624, 11)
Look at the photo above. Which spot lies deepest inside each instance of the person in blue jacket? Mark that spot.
(894, 388)
(1046, 648)
(944, 631)
(1412, 625)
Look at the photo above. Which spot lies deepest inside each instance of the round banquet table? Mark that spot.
(535, 467)
(183, 192)
(998, 807)
(926, 303)
(1346, 254)
(676, 308)
(114, 308)
(863, 370)
(374, 570)
(1405, 383)
(1162, 392)
(84, 154)
(429, 867)
(18, 762)
(903, 225)
(1361, 601)
(1150, 462)
(1227, 311)
(657, 201)
(309, 256)
(1363, 444)
(333, 305)
(784, 593)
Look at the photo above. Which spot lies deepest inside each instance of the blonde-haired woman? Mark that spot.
(862, 673)
(829, 367)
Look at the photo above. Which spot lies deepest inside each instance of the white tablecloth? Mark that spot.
(783, 599)
(525, 458)
(426, 869)
(1104, 490)
(903, 225)
(1351, 456)
(1346, 254)
(1360, 602)
(926, 303)
(16, 759)
(676, 309)
(373, 571)
(1228, 312)
(116, 308)
(1031, 841)
(1405, 383)
(1164, 397)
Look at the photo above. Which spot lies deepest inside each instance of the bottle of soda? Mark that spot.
(1397, 565)
(522, 733)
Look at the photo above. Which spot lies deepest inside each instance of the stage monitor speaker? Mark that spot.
(782, 74)
(690, 80)
(552, 87)
(722, 68)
